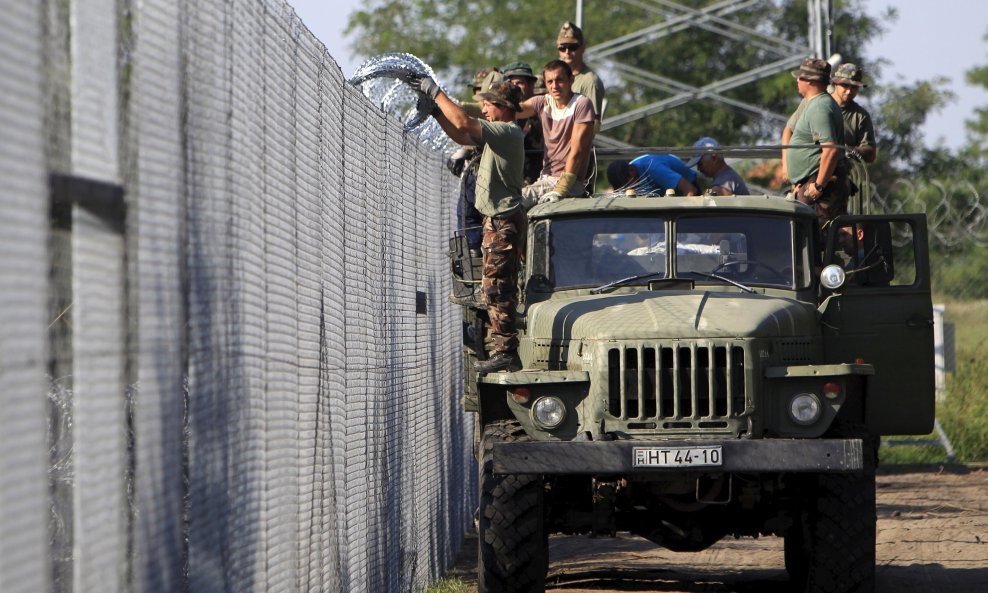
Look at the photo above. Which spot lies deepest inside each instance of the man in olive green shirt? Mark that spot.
(498, 198)
(815, 171)
(571, 46)
(859, 131)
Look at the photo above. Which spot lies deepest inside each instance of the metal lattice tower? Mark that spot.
(676, 17)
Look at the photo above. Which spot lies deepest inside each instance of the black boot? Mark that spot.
(500, 361)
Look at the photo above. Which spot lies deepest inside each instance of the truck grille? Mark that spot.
(677, 384)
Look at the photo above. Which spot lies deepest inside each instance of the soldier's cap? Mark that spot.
(483, 73)
(570, 33)
(813, 69)
(850, 74)
(705, 142)
(502, 93)
(522, 69)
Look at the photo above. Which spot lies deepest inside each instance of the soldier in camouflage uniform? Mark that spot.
(498, 198)
(859, 131)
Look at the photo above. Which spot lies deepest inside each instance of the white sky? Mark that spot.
(931, 38)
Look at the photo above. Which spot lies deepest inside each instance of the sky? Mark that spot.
(931, 38)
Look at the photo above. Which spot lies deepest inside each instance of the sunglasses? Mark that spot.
(568, 47)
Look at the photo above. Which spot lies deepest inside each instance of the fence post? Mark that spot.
(939, 352)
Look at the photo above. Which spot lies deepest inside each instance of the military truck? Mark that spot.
(696, 368)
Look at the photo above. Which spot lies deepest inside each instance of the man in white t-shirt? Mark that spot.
(567, 126)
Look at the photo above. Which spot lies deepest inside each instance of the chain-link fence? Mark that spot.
(226, 269)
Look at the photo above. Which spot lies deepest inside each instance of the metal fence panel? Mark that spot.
(24, 566)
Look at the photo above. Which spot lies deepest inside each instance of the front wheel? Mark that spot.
(511, 545)
(831, 548)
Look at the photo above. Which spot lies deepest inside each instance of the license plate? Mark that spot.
(678, 456)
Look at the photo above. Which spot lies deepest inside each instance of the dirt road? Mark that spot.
(932, 538)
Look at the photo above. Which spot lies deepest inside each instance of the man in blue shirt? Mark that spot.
(653, 174)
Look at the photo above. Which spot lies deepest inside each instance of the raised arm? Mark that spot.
(459, 126)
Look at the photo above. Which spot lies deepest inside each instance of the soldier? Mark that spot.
(859, 132)
(571, 46)
(818, 176)
(464, 162)
(567, 125)
(498, 198)
(520, 74)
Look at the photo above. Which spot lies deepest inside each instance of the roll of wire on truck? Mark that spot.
(695, 368)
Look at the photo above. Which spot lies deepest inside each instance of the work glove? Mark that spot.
(550, 197)
(565, 184)
(458, 160)
(422, 84)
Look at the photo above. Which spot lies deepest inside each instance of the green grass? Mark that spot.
(446, 586)
(963, 413)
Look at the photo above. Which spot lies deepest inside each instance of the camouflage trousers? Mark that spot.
(503, 247)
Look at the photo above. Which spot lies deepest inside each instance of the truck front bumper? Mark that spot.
(617, 457)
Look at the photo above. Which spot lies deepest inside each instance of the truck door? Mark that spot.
(883, 315)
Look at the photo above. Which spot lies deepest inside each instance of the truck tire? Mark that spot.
(836, 536)
(511, 544)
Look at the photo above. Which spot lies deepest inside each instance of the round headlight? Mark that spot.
(832, 277)
(805, 408)
(549, 412)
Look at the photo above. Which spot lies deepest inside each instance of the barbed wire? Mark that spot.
(380, 79)
(955, 210)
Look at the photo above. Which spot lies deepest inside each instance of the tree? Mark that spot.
(978, 127)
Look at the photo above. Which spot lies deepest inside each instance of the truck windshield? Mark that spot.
(595, 251)
(752, 250)
(747, 249)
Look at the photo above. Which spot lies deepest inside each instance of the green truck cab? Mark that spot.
(695, 368)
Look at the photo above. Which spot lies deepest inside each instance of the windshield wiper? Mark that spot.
(721, 278)
(622, 281)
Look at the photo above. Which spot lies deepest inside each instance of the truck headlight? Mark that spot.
(832, 277)
(805, 408)
(549, 412)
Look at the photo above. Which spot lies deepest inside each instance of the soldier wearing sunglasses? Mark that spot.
(571, 46)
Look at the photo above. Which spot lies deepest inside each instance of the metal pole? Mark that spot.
(579, 13)
(830, 28)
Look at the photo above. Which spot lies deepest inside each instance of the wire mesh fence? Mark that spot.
(216, 257)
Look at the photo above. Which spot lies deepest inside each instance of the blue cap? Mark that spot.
(705, 142)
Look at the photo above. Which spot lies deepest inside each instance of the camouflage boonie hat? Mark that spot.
(483, 73)
(502, 93)
(570, 33)
(848, 73)
(517, 69)
(813, 69)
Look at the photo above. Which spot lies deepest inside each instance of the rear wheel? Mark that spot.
(511, 535)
